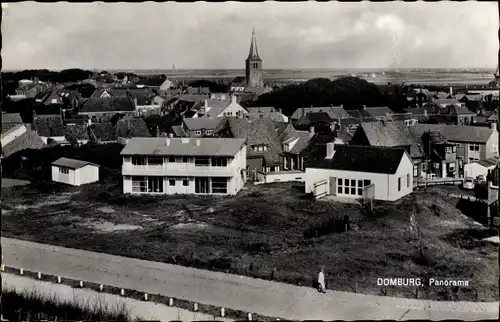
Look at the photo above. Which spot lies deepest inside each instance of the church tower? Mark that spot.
(253, 66)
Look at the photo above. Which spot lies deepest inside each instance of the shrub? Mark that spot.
(25, 306)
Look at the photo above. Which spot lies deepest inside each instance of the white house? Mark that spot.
(74, 172)
(219, 108)
(481, 167)
(184, 166)
(347, 170)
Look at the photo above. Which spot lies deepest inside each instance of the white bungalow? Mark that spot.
(74, 172)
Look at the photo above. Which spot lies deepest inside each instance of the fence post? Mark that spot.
(249, 316)
(222, 312)
(21, 271)
(195, 307)
(170, 301)
(101, 287)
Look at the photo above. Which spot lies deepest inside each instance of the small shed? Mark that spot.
(481, 167)
(74, 172)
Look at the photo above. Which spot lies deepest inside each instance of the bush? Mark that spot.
(32, 305)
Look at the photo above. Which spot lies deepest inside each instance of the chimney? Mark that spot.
(233, 99)
(330, 150)
(157, 131)
(167, 142)
(364, 107)
(198, 142)
(493, 126)
(451, 90)
(311, 130)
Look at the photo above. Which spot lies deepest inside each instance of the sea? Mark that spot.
(377, 76)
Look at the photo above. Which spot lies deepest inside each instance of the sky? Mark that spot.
(291, 35)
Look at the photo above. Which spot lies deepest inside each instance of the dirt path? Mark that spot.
(230, 291)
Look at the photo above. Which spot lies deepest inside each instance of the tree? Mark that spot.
(351, 92)
(213, 86)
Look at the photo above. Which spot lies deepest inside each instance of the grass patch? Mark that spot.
(262, 233)
(35, 306)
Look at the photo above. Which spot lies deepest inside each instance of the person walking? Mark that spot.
(321, 281)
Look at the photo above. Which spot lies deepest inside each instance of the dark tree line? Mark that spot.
(215, 87)
(351, 92)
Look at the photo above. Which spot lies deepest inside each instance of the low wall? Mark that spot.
(283, 176)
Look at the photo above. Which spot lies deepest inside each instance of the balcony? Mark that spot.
(178, 169)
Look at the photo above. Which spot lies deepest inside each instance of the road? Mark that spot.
(231, 291)
(138, 309)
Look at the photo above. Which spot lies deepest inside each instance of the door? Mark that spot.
(201, 185)
(155, 184)
(333, 186)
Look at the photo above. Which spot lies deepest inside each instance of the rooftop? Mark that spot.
(456, 133)
(72, 163)
(363, 159)
(392, 134)
(335, 112)
(183, 146)
(202, 123)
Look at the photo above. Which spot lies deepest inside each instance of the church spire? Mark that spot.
(254, 53)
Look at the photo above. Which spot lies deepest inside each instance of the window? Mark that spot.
(473, 159)
(64, 170)
(448, 149)
(202, 161)
(155, 161)
(219, 162)
(360, 187)
(495, 148)
(286, 147)
(229, 113)
(473, 147)
(209, 132)
(366, 183)
(351, 187)
(399, 184)
(458, 145)
(408, 180)
(185, 159)
(171, 159)
(138, 160)
(415, 170)
(171, 182)
(197, 133)
(185, 182)
(285, 163)
(139, 184)
(454, 149)
(219, 185)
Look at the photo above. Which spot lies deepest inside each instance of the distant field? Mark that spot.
(267, 231)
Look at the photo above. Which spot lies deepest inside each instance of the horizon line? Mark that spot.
(238, 69)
